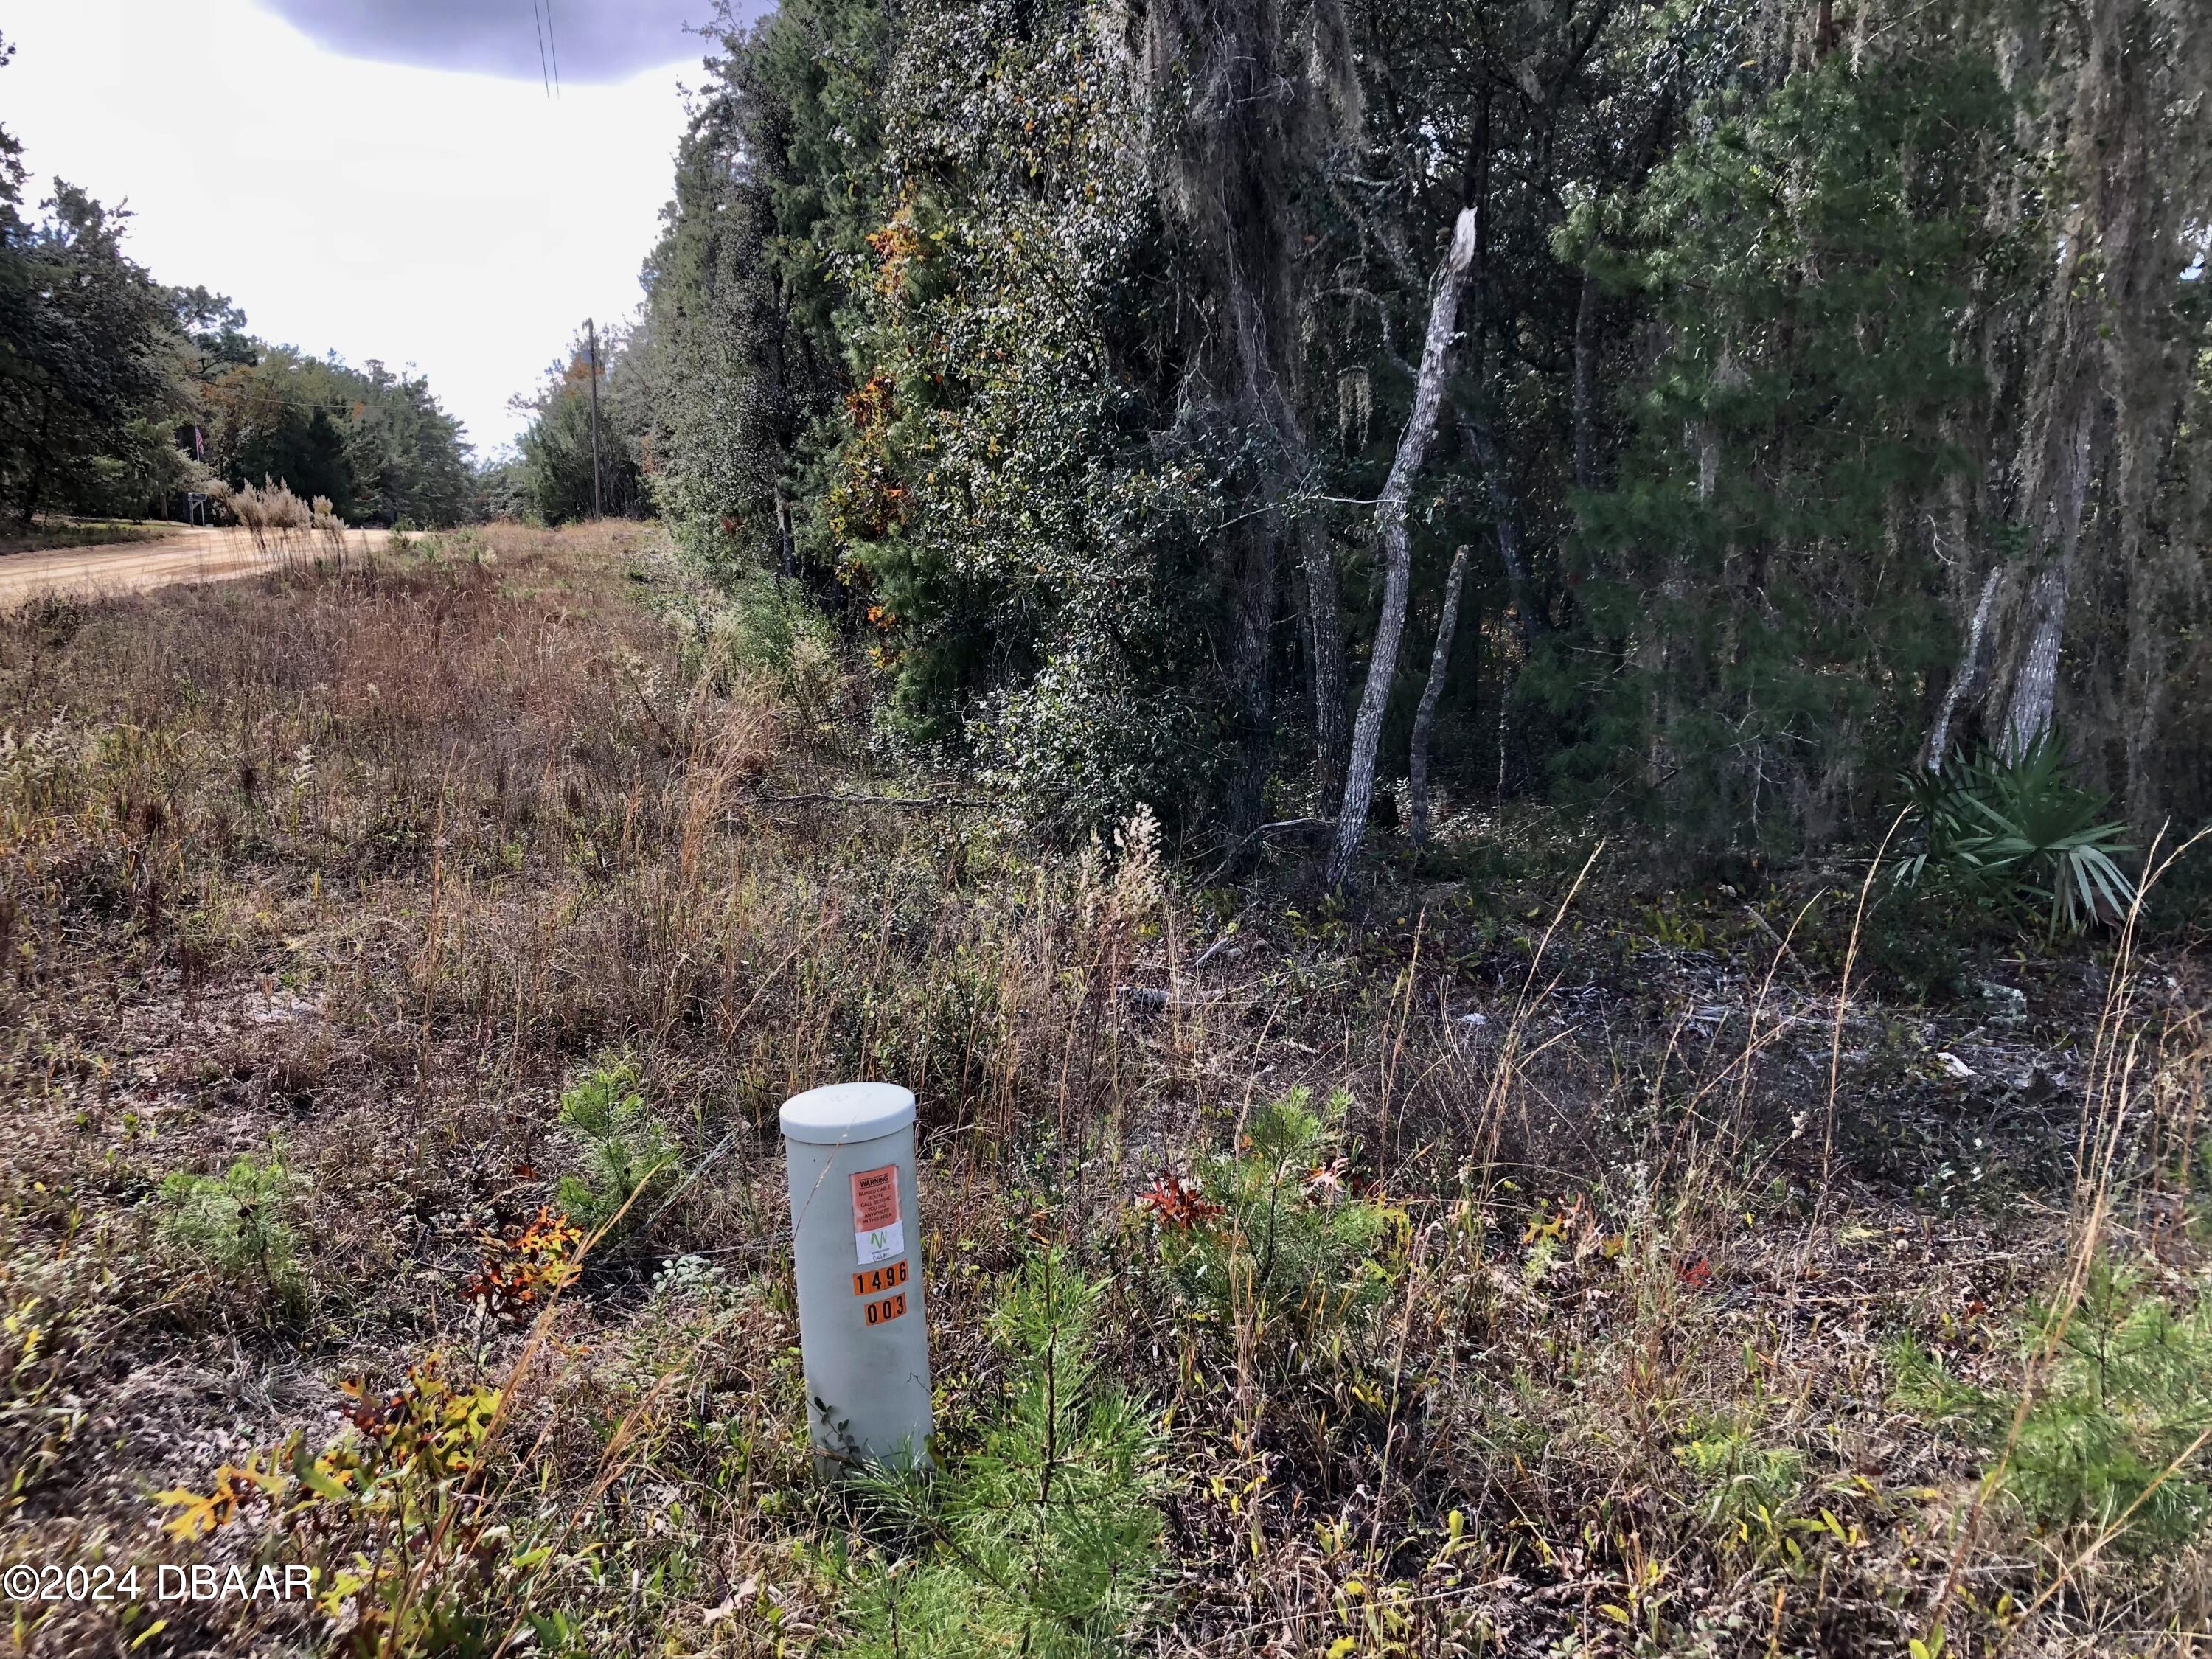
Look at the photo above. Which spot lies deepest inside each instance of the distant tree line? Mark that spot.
(119, 395)
(1805, 389)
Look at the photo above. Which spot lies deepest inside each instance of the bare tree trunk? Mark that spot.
(1970, 666)
(1325, 628)
(1417, 764)
(2035, 683)
(2042, 623)
(1397, 544)
(2111, 279)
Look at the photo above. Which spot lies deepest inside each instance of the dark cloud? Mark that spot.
(595, 40)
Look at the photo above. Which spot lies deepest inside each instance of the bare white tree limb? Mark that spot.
(1397, 545)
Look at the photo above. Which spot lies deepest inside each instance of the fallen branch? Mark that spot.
(1237, 846)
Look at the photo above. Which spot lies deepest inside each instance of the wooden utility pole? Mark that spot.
(592, 334)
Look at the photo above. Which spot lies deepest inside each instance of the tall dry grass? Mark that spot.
(284, 528)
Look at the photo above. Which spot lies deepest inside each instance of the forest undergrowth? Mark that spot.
(400, 970)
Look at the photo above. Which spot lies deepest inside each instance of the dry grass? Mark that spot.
(367, 865)
(284, 528)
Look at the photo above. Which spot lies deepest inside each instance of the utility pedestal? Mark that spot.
(856, 1241)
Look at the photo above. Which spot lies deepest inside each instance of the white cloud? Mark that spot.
(457, 222)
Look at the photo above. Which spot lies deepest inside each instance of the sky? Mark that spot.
(384, 179)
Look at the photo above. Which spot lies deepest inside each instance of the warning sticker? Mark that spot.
(878, 1235)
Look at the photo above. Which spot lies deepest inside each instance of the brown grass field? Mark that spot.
(1684, 1291)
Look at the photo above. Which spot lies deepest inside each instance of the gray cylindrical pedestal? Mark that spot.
(856, 1241)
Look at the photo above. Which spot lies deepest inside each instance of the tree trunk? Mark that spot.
(2035, 683)
(1970, 666)
(2162, 570)
(2112, 279)
(1229, 168)
(1585, 412)
(1417, 764)
(1527, 617)
(34, 485)
(1251, 642)
(1325, 627)
(2041, 626)
(1397, 544)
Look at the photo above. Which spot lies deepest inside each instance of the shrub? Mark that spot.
(1042, 1538)
(2129, 1390)
(763, 625)
(407, 1557)
(235, 1223)
(2023, 833)
(1744, 1489)
(627, 1154)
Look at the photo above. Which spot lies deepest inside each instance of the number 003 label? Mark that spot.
(878, 1235)
(890, 1308)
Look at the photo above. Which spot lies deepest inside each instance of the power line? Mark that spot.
(556, 45)
(539, 22)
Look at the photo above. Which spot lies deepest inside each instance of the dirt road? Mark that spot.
(187, 556)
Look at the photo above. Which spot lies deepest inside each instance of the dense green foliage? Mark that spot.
(626, 1152)
(2111, 1438)
(88, 362)
(2020, 835)
(1828, 404)
(1756, 639)
(117, 393)
(376, 444)
(1270, 1236)
(236, 1224)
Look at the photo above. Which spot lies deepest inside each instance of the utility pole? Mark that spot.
(593, 335)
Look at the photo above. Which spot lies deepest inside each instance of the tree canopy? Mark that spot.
(1826, 395)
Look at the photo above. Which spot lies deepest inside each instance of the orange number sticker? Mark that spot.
(877, 1281)
(882, 1312)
